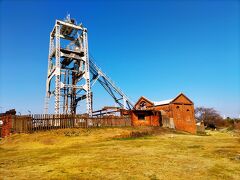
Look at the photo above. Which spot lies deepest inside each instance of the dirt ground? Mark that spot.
(120, 153)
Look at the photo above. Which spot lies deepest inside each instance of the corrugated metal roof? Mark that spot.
(157, 103)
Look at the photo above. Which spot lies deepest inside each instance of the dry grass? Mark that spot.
(120, 153)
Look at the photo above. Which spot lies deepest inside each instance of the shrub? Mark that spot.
(134, 134)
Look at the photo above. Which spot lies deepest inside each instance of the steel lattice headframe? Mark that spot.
(74, 71)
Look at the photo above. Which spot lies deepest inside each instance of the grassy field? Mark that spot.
(111, 153)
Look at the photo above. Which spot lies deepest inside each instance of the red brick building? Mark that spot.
(179, 109)
(145, 118)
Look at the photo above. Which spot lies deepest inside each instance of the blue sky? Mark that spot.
(149, 48)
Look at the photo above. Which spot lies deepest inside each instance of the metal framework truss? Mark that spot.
(117, 94)
(74, 72)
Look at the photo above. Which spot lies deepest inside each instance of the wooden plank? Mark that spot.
(64, 122)
(28, 124)
(36, 123)
(61, 123)
(53, 121)
(31, 124)
(41, 122)
(23, 122)
(68, 124)
(71, 121)
(44, 122)
(48, 122)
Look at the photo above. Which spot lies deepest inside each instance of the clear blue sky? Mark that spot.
(149, 48)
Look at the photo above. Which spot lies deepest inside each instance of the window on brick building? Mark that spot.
(141, 117)
(143, 105)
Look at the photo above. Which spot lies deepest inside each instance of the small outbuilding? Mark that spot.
(179, 110)
(146, 117)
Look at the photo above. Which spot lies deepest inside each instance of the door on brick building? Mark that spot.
(160, 119)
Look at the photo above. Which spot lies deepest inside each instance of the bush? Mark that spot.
(237, 125)
(134, 134)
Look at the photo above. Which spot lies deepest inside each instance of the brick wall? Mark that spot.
(6, 126)
(149, 120)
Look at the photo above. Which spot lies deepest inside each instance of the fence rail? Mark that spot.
(32, 123)
(0, 131)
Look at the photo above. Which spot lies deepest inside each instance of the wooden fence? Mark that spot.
(31, 123)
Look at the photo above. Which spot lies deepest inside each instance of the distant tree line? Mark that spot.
(212, 119)
(9, 112)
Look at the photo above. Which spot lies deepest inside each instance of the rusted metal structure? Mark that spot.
(107, 111)
(74, 71)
